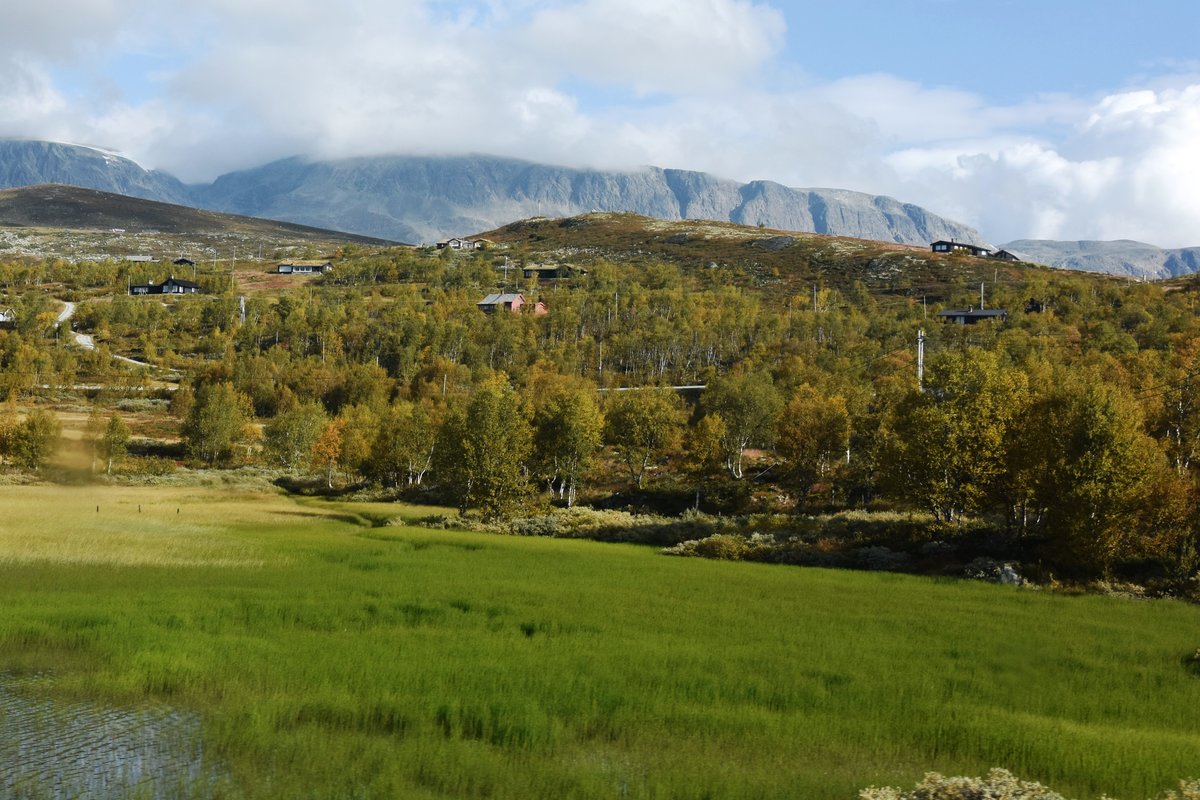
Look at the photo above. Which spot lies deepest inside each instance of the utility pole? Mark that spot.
(814, 298)
(981, 296)
(921, 360)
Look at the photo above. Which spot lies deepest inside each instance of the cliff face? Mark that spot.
(422, 199)
(1121, 257)
(25, 163)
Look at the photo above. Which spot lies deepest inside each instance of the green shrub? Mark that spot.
(1000, 784)
(727, 546)
(148, 466)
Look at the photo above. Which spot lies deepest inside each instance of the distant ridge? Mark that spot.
(29, 163)
(428, 198)
(76, 208)
(1120, 257)
(424, 199)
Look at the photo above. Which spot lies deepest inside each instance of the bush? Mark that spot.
(620, 526)
(727, 546)
(148, 465)
(143, 404)
(1000, 784)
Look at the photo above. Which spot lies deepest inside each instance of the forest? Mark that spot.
(776, 409)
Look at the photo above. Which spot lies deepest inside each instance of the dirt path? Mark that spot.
(87, 342)
(81, 339)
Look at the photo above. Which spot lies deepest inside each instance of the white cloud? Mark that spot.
(1129, 171)
(29, 97)
(658, 45)
(696, 84)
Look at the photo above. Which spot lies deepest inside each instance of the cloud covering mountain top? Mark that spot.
(745, 89)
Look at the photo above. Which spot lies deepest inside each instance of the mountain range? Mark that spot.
(1121, 257)
(420, 199)
(423, 199)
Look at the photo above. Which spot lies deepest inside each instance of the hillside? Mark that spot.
(85, 224)
(782, 263)
(74, 208)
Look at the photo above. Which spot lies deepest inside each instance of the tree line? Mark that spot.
(1073, 425)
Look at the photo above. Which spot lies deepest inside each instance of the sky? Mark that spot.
(1051, 119)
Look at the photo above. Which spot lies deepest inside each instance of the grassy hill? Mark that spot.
(73, 208)
(54, 221)
(784, 263)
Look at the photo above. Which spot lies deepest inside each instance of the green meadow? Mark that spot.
(331, 655)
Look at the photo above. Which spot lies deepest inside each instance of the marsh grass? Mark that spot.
(132, 526)
(349, 659)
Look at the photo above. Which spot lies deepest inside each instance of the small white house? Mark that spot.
(304, 267)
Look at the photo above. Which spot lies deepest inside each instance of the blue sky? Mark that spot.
(1006, 50)
(1053, 119)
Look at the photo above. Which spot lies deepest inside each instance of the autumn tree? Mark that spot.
(30, 442)
(404, 444)
(327, 449)
(945, 446)
(113, 442)
(643, 426)
(748, 405)
(289, 438)
(703, 454)
(1099, 481)
(217, 423)
(359, 427)
(482, 448)
(814, 432)
(567, 432)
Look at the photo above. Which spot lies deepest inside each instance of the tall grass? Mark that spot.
(345, 659)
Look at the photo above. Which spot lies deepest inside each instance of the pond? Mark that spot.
(52, 750)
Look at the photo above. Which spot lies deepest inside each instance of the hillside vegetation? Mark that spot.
(84, 224)
(1059, 442)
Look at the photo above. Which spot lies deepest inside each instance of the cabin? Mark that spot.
(140, 259)
(171, 285)
(8, 318)
(942, 246)
(184, 262)
(462, 244)
(1005, 255)
(304, 267)
(561, 272)
(972, 315)
(510, 301)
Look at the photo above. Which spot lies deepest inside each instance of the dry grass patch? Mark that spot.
(128, 526)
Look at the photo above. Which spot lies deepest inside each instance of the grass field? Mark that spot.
(332, 657)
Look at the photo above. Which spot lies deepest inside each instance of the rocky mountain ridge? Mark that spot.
(423, 198)
(1120, 257)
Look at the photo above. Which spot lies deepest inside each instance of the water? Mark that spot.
(72, 751)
